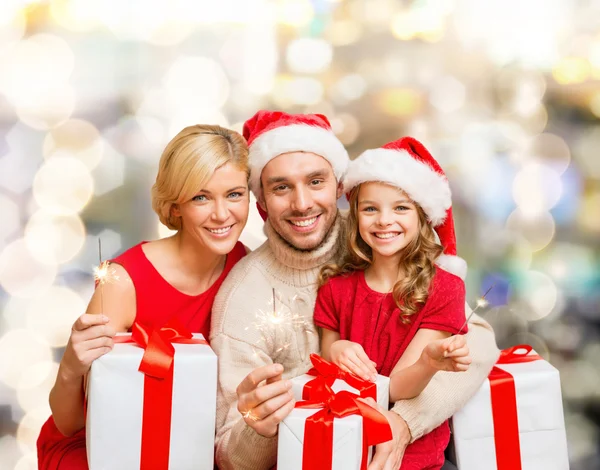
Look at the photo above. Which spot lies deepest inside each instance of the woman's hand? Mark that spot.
(91, 337)
(351, 357)
(448, 354)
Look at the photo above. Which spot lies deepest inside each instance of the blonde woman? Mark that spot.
(390, 308)
(201, 191)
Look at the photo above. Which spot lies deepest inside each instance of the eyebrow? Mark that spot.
(228, 191)
(400, 201)
(280, 179)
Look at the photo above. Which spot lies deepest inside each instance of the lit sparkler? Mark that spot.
(481, 303)
(104, 274)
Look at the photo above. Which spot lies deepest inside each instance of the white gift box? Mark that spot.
(115, 400)
(541, 425)
(347, 441)
(382, 383)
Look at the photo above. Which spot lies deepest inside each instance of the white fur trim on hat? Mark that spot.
(296, 138)
(453, 264)
(422, 183)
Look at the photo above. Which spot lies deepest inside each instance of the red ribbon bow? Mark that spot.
(317, 452)
(157, 367)
(504, 407)
(327, 373)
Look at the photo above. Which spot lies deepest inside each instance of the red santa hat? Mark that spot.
(271, 133)
(407, 164)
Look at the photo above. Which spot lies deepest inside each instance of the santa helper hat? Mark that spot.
(407, 164)
(272, 133)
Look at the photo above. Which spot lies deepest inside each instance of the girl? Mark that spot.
(388, 308)
(201, 191)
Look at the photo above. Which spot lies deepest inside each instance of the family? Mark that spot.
(377, 290)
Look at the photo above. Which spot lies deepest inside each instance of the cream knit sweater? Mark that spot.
(244, 339)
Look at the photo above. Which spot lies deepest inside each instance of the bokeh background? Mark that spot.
(505, 93)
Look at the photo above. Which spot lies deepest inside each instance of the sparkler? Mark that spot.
(481, 302)
(103, 274)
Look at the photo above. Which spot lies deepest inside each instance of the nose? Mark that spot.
(220, 212)
(303, 200)
(385, 218)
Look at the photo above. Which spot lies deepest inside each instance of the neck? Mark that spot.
(384, 272)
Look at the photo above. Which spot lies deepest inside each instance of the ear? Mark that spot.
(340, 190)
(260, 200)
(175, 212)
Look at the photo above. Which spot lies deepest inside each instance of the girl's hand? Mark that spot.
(449, 354)
(351, 357)
(91, 337)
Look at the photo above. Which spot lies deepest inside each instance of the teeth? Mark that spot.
(386, 235)
(304, 223)
(219, 230)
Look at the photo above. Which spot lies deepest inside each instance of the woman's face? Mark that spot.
(217, 214)
(387, 218)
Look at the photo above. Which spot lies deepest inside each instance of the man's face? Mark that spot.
(299, 193)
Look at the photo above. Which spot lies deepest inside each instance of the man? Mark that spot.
(262, 327)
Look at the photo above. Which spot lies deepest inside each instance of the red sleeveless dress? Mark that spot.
(157, 302)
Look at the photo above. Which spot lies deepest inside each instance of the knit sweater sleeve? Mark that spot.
(240, 349)
(448, 392)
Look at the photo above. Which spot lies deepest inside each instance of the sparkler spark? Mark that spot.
(481, 302)
(104, 274)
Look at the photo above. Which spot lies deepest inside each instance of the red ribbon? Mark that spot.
(317, 452)
(327, 373)
(504, 407)
(157, 367)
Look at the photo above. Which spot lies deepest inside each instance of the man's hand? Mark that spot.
(448, 354)
(388, 455)
(351, 357)
(264, 407)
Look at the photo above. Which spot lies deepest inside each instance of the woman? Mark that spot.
(201, 191)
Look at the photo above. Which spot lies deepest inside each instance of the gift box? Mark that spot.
(515, 420)
(338, 380)
(333, 431)
(151, 402)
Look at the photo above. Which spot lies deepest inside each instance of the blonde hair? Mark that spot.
(415, 270)
(189, 162)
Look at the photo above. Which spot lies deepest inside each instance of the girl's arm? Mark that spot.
(91, 337)
(428, 352)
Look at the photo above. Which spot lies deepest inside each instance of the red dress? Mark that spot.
(157, 302)
(346, 304)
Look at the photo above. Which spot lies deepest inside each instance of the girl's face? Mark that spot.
(387, 218)
(217, 214)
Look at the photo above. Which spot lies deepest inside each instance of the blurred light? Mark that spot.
(551, 150)
(565, 212)
(21, 274)
(506, 322)
(538, 228)
(537, 294)
(346, 127)
(294, 12)
(10, 452)
(425, 22)
(571, 70)
(585, 151)
(13, 313)
(112, 245)
(54, 239)
(253, 235)
(164, 231)
(574, 267)
(196, 82)
(18, 167)
(11, 220)
(76, 138)
(154, 130)
(63, 186)
(301, 91)
(308, 55)
(343, 32)
(41, 55)
(588, 215)
(259, 56)
(402, 102)
(447, 94)
(12, 28)
(25, 349)
(536, 188)
(29, 428)
(539, 344)
(582, 433)
(48, 109)
(348, 88)
(491, 193)
(110, 172)
(52, 314)
(75, 15)
(35, 385)
(27, 462)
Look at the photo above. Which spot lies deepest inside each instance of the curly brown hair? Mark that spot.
(416, 269)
